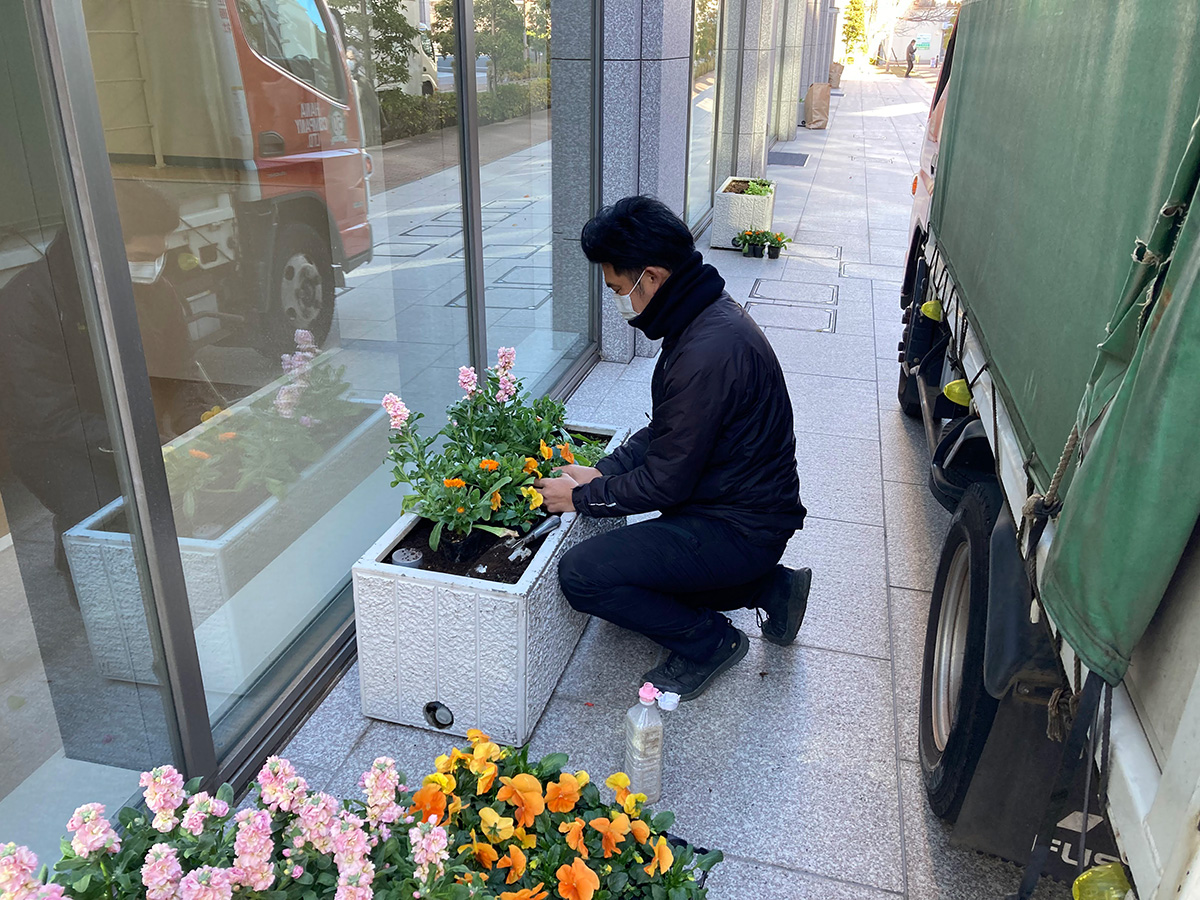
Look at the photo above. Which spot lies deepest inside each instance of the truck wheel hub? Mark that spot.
(301, 290)
(951, 646)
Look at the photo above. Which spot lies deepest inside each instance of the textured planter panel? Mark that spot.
(735, 213)
(104, 568)
(492, 653)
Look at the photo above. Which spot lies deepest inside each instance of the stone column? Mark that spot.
(647, 67)
(747, 34)
(786, 110)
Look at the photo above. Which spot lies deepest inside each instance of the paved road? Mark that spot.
(414, 158)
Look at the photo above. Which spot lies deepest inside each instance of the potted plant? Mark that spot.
(775, 243)
(479, 594)
(741, 204)
(245, 483)
(745, 242)
(485, 823)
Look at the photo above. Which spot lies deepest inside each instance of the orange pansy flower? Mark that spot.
(613, 831)
(577, 881)
(641, 831)
(547, 450)
(487, 777)
(561, 796)
(534, 893)
(574, 833)
(429, 801)
(525, 793)
(619, 782)
(531, 466)
(489, 465)
(475, 736)
(527, 841)
(495, 500)
(564, 451)
(454, 482)
(663, 858)
(200, 454)
(514, 861)
(485, 854)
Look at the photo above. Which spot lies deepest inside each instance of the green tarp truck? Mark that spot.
(1051, 309)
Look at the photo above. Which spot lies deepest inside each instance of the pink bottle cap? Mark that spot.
(648, 693)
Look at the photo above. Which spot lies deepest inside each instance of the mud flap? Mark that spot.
(1005, 802)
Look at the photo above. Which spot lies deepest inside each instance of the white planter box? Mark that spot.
(104, 570)
(735, 213)
(491, 652)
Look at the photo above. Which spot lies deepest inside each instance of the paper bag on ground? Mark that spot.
(816, 106)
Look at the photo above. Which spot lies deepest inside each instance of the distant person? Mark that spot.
(881, 55)
(911, 55)
(718, 459)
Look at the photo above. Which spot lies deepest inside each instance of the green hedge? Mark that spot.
(405, 115)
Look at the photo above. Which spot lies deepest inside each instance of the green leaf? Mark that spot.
(225, 793)
(193, 785)
(435, 536)
(82, 884)
(618, 882)
(678, 893)
(663, 821)
(658, 892)
(709, 859)
(127, 816)
(553, 763)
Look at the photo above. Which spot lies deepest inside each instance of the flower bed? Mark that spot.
(245, 484)
(741, 205)
(486, 824)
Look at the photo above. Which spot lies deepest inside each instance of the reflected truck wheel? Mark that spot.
(302, 289)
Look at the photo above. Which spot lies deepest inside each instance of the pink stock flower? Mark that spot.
(17, 865)
(200, 807)
(161, 873)
(286, 399)
(506, 358)
(430, 851)
(396, 410)
(467, 379)
(164, 795)
(304, 339)
(92, 831)
(280, 786)
(507, 389)
(380, 783)
(39, 891)
(315, 817)
(254, 848)
(297, 871)
(207, 883)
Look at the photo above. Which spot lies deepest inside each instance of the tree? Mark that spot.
(537, 26)
(854, 26)
(383, 36)
(499, 34)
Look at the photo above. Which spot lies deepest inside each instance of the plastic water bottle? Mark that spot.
(644, 745)
(1107, 882)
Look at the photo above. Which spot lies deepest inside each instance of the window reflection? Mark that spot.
(703, 110)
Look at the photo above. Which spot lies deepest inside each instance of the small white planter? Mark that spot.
(104, 568)
(735, 213)
(492, 653)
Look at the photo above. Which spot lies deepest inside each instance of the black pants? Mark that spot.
(667, 577)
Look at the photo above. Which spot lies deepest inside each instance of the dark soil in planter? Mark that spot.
(493, 555)
(737, 187)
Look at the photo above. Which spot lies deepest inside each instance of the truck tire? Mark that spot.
(906, 390)
(956, 709)
(302, 287)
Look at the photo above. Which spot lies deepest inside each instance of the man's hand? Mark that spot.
(581, 474)
(556, 492)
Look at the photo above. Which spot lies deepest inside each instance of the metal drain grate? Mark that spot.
(786, 158)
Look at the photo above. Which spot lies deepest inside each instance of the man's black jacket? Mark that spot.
(720, 442)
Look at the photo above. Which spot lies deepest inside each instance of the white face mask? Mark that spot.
(625, 301)
(146, 272)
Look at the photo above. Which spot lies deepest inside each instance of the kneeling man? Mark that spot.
(718, 459)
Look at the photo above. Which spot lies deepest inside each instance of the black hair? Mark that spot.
(635, 233)
(144, 209)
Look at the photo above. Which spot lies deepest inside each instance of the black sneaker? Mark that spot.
(785, 605)
(690, 679)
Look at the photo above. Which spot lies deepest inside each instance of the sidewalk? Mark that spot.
(801, 762)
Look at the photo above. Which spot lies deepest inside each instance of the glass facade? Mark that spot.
(703, 113)
(319, 202)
